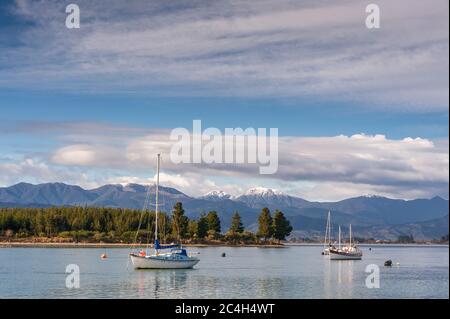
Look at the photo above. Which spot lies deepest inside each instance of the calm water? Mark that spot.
(293, 272)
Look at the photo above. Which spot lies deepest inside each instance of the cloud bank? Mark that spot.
(322, 168)
(305, 49)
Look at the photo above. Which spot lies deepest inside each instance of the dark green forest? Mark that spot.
(116, 225)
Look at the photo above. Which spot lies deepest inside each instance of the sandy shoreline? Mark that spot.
(112, 245)
(4, 244)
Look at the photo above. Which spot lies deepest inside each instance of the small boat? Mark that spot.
(172, 256)
(327, 242)
(103, 256)
(348, 252)
(175, 258)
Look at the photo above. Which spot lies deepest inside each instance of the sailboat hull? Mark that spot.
(334, 255)
(157, 262)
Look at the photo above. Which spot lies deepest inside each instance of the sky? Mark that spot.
(359, 111)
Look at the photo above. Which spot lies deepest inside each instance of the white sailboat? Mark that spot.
(327, 242)
(347, 252)
(164, 256)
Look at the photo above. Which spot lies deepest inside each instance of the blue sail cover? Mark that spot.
(158, 246)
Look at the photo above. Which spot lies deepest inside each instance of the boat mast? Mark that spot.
(350, 235)
(326, 231)
(329, 227)
(157, 193)
(339, 236)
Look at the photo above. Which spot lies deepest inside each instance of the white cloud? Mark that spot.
(311, 167)
(315, 168)
(88, 155)
(240, 48)
(38, 171)
(364, 159)
(328, 166)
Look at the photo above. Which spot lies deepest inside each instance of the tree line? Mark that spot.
(105, 224)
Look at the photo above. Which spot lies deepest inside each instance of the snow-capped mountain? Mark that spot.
(264, 192)
(370, 216)
(260, 197)
(216, 195)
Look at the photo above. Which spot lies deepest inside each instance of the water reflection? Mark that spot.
(161, 283)
(297, 272)
(327, 278)
(338, 278)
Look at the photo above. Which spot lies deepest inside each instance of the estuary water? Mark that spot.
(245, 272)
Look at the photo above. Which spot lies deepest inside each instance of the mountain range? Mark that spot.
(370, 216)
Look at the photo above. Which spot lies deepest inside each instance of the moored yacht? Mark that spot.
(172, 256)
(175, 258)
(347, 252)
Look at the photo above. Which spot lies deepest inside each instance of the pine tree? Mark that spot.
(202, 227)
(236, 224)
(281, 226)
(179, 221)
(192, 229)
(265, 229)
(213, 222)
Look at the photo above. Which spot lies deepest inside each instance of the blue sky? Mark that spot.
(293, 116)
(311, 69)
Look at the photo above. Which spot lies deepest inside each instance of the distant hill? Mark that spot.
(392, 211)
(371, 216)
(431, 229)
